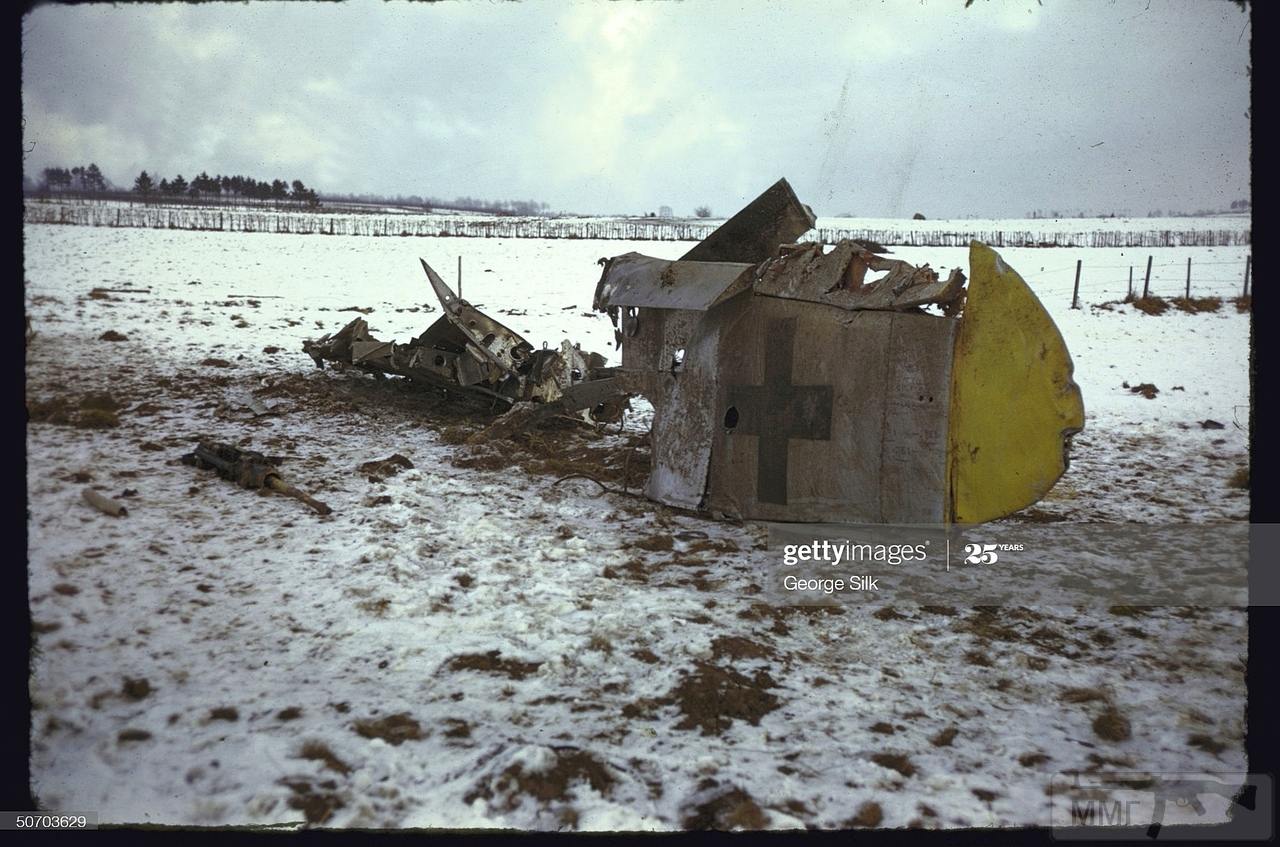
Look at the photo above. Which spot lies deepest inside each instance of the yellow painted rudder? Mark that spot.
(1014, 405)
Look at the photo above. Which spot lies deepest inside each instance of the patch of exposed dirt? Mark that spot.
(393, 729)
(655, 543)
(945, 737)
(1206, 742)
(316, 804)
(985, 623)
(1194, 305)
(945, 611)
(1034, 515)
(1148, 305)
(1083, 695)
(136, 689)
(1112, 725)
(318, 751)
(382, 468)
(712, 698)
(869, 814)
(729, 810)
(457, 728)
(896, 762)
(548, 786)
(93, 411)
(737, 647)
(492, 662)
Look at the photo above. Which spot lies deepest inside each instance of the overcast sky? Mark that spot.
(871, 108)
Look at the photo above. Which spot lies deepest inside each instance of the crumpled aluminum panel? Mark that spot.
(634, 279)
(839, 278)
(754, 234)
(684, 417)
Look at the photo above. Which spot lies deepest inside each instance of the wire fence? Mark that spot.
(318, 223)
(1096, 283)
(1045, 238)
(1176, 280)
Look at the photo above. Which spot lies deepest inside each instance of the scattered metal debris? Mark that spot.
(466, 350)
(261, 407)
(791, 381)
(249, 469)
(103, 503)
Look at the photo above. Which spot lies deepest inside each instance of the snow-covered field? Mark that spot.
(469, 644)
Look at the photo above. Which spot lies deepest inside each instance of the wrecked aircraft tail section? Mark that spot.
(790, 381)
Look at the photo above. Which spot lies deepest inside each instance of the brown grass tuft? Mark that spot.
(712, 698)
(869, 814)
(318, 751)
(1195, 305)
(552, 785)
(1111, 725)
(393, 729)
(492, 662)
(945, 737)
(733, 809)
(896, 762)
(1148, 305)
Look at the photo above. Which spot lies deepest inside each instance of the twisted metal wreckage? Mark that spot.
(787, 383)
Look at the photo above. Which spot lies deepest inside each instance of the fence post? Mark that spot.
(1188, 294)
(459, 276)
(1146, 283)
(1131, 280)
(1248, 260)
(1075, 294)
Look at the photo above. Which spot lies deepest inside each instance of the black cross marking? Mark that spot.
(778, 411)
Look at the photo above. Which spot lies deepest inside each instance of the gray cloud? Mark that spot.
(877, 108)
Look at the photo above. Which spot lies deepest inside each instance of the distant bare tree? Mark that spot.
(703, 211)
